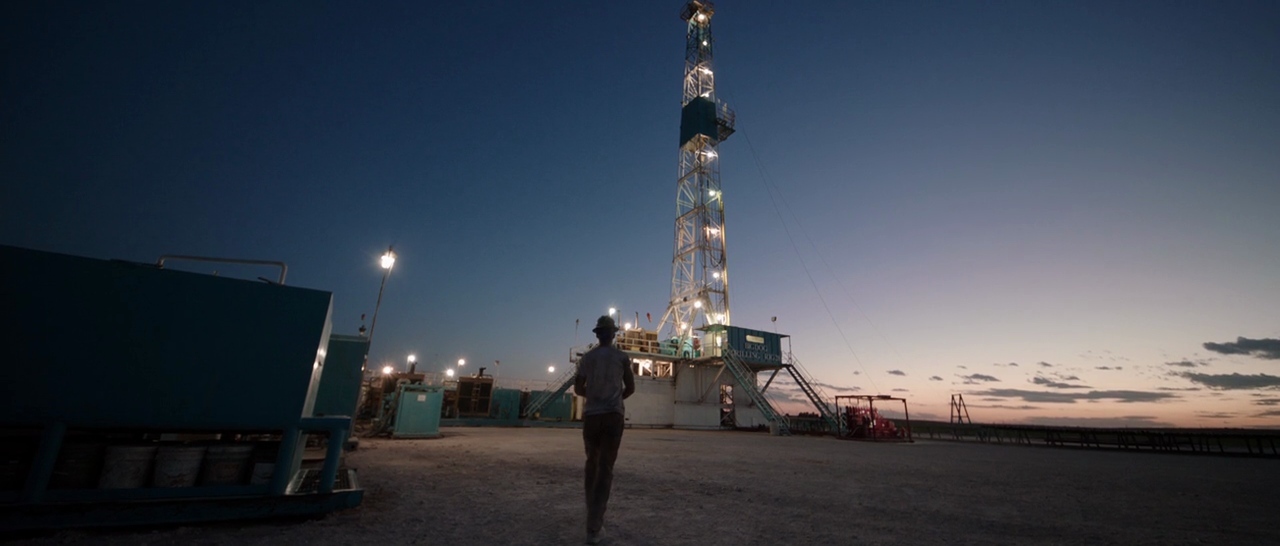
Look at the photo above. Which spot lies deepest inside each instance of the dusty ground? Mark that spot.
(523, 486)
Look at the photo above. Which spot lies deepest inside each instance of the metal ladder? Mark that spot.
(747, 382)
(816, 396)
(538, 404)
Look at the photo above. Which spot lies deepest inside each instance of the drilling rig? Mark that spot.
(699, 270)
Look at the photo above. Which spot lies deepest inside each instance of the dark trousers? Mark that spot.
(601, 434)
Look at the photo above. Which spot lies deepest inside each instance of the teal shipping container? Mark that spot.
(755, 347)
(418, 411)
(505, 405)
(558, 409)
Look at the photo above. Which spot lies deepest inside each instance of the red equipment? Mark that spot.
(862, 421)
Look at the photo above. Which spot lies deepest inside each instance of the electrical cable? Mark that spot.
(764, 179)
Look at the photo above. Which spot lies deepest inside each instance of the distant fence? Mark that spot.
(1244, 443)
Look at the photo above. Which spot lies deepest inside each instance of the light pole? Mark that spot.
(388, 261)
(413, 363)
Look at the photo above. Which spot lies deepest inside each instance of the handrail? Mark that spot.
(284, 268)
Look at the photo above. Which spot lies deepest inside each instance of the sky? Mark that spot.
(1063, 211)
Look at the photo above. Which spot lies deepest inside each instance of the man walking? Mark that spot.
(604, 378)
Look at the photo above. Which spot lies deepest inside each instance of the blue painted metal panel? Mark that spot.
(505, 404)
(418, 411)
(559, 408)
(343, 371)
(755, 346)
(698, 117)
(131, 346)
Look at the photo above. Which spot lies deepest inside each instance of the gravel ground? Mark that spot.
(524, 486)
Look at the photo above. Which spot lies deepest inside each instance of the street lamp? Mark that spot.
(551, 369)
(462, 362)
(386, 370)
(413, 363)
(387, 262)
(449, 372)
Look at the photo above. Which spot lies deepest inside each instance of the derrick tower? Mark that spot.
(699, 272)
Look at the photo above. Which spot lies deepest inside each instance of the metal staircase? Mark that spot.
(537, 404)
(815, 395)
(747, 381)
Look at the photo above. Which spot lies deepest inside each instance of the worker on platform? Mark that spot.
(604, 378)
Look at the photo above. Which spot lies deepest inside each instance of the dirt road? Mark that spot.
(523, 486)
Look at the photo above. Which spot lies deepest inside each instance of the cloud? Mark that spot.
(899, 390)
(1073, 397)
(1044, 364)
(934, 378)
(976, 378)
(992, 399)
(1126, 421)
(1233, 381)
(1268, 413)
(1003, 406)
(897, 372)
(836, 388)
(963, 367)
(1011, 365)
(1107, 368)
(1215, 415)
(856, 372)
(1177, 389)
(1046, 382)
(1267, 402)
(1266, 348)
(1185, 364)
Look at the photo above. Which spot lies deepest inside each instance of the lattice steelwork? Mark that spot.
(699, 273)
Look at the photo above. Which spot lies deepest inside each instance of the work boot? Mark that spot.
(596, 537)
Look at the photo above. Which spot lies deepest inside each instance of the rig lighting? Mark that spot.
(702, 17)
(704, 42)
(715, 274)
(551, 369)
(412, 359)
(626, 326)
(698, 304)
(449, 372)
(388, 259)
(462, 362)
(612, 311)
(386, 370)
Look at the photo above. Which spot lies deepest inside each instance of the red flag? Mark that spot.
(648, 316)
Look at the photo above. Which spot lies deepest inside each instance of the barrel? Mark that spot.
(264, 462)
(177, 465)
(126, 466)
(78, 466)
(226, 464)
